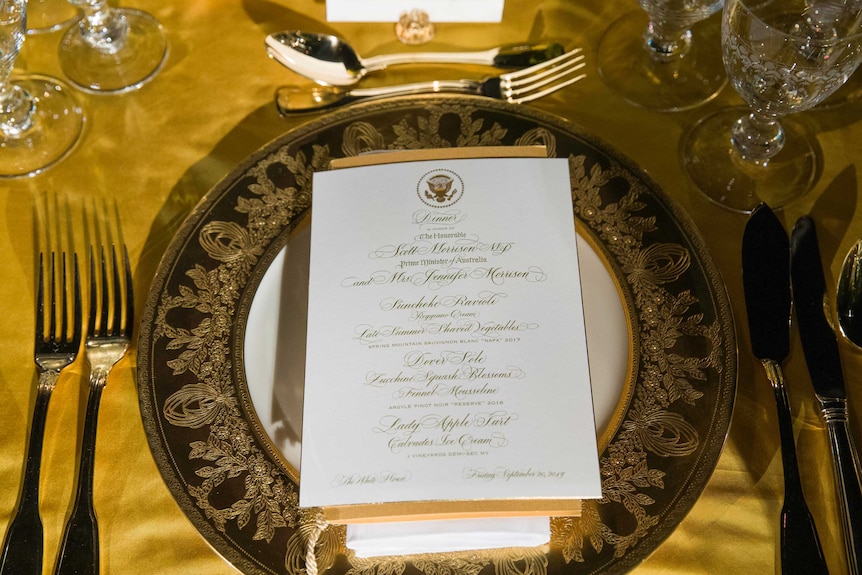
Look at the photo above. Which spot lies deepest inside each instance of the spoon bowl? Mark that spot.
(849, 298)
(331, 61)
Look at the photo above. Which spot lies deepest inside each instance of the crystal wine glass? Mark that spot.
(782, 57)
(40, 118)
(112, 49)
(656, 60)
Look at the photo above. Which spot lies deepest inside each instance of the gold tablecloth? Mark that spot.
(158, 150)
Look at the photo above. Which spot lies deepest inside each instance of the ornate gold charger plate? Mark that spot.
(237, 488)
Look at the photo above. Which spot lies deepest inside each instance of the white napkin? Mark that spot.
(438, 536)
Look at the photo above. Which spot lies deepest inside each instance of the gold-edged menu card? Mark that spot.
(446, 366)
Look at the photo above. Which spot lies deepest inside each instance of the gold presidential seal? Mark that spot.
(440, 188)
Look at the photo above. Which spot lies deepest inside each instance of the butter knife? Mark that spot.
(820, 346)
(766, 281)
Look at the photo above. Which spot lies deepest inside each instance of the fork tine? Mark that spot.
(530, 92)
(526, 90)
(77, 312)
(512, 76)
(130, 296)
(118, 295)
(40, 302)
(52, 321)
(519, 88)
(546, 91)
(91, 324)
(64, 320)
(554, 73)
(103, 294)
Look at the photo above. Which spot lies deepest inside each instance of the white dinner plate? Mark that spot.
(274, 345)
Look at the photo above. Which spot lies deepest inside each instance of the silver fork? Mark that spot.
(515, 87)
(109, 332)
(22, 549)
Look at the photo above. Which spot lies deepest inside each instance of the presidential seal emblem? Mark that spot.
(440, 188)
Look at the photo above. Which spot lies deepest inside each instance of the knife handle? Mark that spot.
(801, 553)
(848, 479)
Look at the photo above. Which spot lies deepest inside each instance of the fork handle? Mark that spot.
(23, 546)
(79, 551)
(294, 100)
(455, 86)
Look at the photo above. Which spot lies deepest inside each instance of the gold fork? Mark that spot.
(54, 351)
(109, 332)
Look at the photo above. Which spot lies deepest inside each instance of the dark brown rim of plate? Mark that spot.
(240, 496)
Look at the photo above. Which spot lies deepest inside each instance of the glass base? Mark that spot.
(718, 172)
(55, 128)
(49, 15)
(681, 83)
(119, 67)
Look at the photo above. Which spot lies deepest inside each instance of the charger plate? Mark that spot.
(229, 474)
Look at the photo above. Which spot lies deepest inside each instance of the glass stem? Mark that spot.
(16, 104)
(102, 27)
(666, 45)
(757, 138)
(16, 109)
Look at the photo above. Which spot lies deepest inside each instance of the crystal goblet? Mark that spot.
(40, 118)
(782, 58)
(112, 49)
(663, 59)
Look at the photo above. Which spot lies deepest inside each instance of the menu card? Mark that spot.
(437, 10)
(447, 371)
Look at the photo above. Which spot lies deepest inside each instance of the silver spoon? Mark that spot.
(849, 307)
(329, 60)
(849, 298)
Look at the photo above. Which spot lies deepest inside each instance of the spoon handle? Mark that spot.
(514, 56)
(847, 478)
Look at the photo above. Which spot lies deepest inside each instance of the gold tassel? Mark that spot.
(315, 524)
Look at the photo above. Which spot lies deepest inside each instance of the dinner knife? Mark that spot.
(766, 282)
(820, 347)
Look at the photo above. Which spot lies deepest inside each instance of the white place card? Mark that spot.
(446, 370)
(437, 10)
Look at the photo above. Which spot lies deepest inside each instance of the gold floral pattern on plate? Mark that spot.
(242, 495)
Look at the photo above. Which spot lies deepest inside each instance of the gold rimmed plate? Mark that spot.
(220, 349)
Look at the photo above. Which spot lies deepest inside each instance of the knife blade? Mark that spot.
(820, 347)
(766, 282)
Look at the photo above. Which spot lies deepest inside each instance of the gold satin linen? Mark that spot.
(156, 151)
